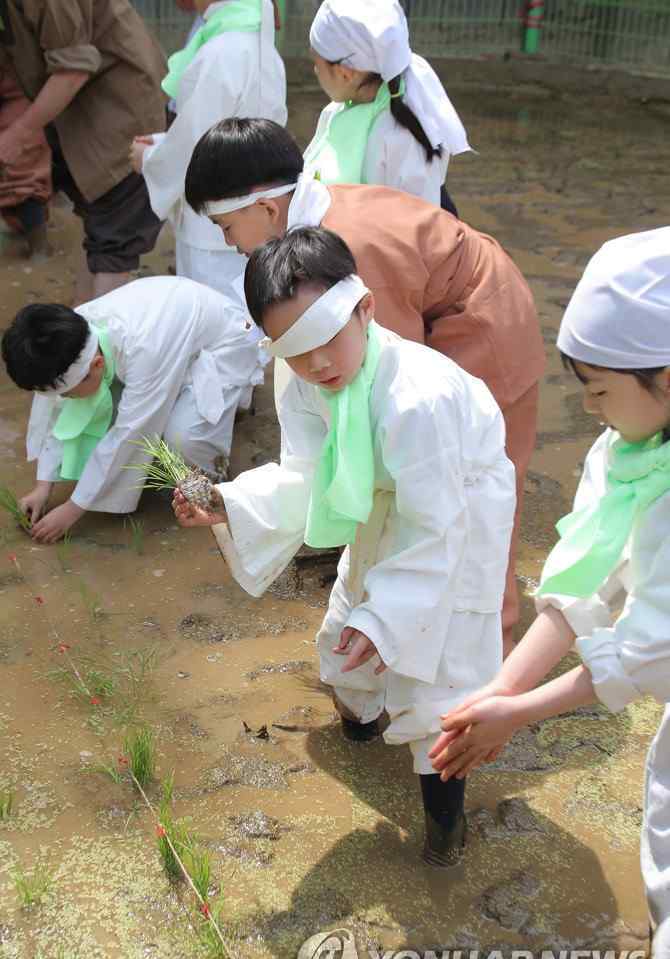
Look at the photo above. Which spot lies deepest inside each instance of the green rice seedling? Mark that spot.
(139, 748)
(6, 804)
(10, 504)
(63, 550)
(211, 937)
(32, 887)
(168, 470)
(198, 862)
(107, 769)
(136, 534)
(92, 602)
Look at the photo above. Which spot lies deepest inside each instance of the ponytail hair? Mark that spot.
(406, 118)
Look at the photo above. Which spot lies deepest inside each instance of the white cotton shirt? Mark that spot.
(629, 656)
(225, 79)
(165, 333)
(439, 450)
(393, 157)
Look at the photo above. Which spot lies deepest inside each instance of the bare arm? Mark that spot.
(57, 93)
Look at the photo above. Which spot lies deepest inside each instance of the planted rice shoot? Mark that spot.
(32, 887)
(139, 748)
(198, 862)
(92, 602)
(63, 550)
(10, 504)
(136, 534)
(6, 804)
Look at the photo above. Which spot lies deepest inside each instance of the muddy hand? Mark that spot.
(358, 649)
(189, 515)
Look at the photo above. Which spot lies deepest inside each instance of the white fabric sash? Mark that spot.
(321, 321)
(75, 373)
(233, 203)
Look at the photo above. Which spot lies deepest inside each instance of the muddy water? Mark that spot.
(306, 832)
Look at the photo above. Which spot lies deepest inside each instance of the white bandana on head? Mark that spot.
(619, 314)
(373, 35)
(233, 203)
(76, 372)
(321, 321)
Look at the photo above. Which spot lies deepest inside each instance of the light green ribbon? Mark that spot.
(338, 156)
(83, 422)
(344, 480)
(592, 539)
(243, 16)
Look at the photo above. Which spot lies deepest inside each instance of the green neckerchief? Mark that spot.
(344, 481)
(83, 422)
(243, 16)
(338, 156)
(592, 539)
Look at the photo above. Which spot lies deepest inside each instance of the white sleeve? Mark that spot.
(209, 92)
(50, 460)
(411, 594)
(395, 159)
(592, 612)
(267, 507)
(153, 378)
(632, 658)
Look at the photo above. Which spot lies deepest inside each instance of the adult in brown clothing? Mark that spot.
(92, 72)
(25, 185)
(435, 279)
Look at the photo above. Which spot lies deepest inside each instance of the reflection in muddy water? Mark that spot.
(306, 831)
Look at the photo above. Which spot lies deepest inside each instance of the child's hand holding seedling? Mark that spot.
(189, 515)
(34, 503)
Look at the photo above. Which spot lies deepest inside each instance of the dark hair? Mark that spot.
(400, 111)
(236, 155)
(644, 377)
(307, 254)
(43, 340)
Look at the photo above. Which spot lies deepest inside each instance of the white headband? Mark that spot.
(76, 372)
(619, 315)
(321, 322)
(233, 203)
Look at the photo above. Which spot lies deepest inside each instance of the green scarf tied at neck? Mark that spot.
(344, 481)
(592, 539)
(83, 422)
(338, 156)
(242, 16)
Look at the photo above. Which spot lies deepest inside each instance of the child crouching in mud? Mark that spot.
(391, 449)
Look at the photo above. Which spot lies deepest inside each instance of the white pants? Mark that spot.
(200, 442)
(655, 848)
(214, 268)
(472, 657)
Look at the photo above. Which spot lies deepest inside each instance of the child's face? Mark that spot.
(336, 80)
(620, 401)
(335, 364)
(252, 226)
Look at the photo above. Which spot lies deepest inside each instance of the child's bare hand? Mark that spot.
(358, 649)
(189, 515)
(474, 735)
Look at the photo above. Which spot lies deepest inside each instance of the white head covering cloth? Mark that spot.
(373, 35)
(321, 321)
(233, 203)
(619, 314)
(76, 372)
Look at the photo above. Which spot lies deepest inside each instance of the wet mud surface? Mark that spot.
(307, 832)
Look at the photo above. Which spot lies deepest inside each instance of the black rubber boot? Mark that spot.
(360, 732)
(446, 826)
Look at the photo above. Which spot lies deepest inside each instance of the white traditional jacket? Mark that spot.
(165, 332)
(233, 75)
(393, 157)
(440, 458)
(630, 657)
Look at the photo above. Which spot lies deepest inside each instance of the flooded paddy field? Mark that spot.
(125, 627)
